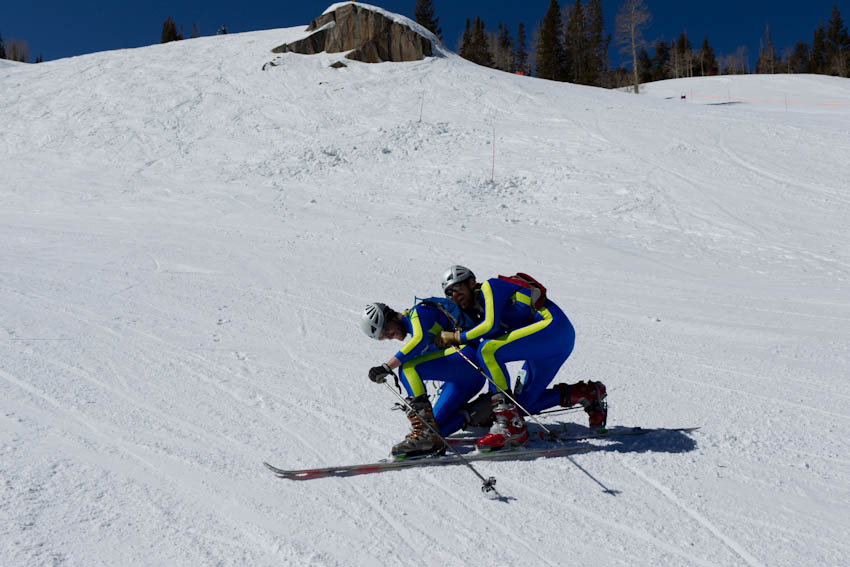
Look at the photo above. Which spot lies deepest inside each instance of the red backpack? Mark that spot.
(538, 292)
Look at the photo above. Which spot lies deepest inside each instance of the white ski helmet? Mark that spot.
(456, 274)
(372, 321)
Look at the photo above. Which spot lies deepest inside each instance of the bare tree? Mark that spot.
(742, 54)
(787, 54)
(735, 63)
(17, 50)
(632, 18)
(674, 65)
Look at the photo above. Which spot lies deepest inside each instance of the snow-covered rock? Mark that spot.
(367, 33)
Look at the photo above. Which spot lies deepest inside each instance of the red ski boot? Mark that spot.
(591, 396)
(508, 428)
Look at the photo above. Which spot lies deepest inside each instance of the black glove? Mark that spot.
(378, 374)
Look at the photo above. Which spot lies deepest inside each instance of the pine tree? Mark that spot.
(481, 46)
(502, 47)
(575, 46)
(3, 48)
(644, 66)
(767, 63)
(837, 44)
(660, 61)
(169, 31)
(196, 31)
(707, 61)
(521, 56)
(466, 42)
(549, 46)
(424, 15)
(474, 45)
(798, 61)
(817, 63)
(597, 43)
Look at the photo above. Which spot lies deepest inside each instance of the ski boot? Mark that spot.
(478, 412)
(421, 440)
(508, 428)
(591, 396)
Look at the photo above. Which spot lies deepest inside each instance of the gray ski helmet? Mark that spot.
(456, 274)
(372, 321)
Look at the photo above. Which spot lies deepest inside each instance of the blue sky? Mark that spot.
(56, 29)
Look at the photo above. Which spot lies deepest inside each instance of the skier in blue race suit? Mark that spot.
(512, 329)
(420, 360)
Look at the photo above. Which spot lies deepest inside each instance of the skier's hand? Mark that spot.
(447, 338)
(378, 374)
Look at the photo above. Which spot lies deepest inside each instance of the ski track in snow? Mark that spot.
(183, 264)
(702, 520)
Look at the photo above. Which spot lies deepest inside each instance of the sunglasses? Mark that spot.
(450, 291)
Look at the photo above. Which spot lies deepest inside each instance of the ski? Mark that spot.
(527, 452)
(382, 466)
(605, 434)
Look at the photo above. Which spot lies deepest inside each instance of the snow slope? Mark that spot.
(786, 93)
(187, 242)
(8, 63)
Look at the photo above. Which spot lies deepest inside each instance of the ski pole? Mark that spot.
(528, 413)
(551, 434)
(488, 484)
(571, 409)
(605, 489)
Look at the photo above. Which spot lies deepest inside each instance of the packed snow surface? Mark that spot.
(789, 93)
(188, 241)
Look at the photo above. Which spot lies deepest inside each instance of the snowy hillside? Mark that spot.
(783, 93)
(8, 63)
(188, 240)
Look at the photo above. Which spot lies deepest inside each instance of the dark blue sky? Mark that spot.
(62, 28)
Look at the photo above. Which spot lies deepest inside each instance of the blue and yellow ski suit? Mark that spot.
(421, 360)
(513, 330)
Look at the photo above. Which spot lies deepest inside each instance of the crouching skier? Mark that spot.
(512, 329)
(420, 360)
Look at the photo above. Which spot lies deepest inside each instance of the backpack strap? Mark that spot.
(441, 309)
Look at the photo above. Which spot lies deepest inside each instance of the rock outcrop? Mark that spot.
(369, 35)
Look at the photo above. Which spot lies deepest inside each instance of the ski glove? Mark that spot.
(378, 374)
(447, 338)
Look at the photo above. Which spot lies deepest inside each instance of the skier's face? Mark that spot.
(393, 330)
(462, 293)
